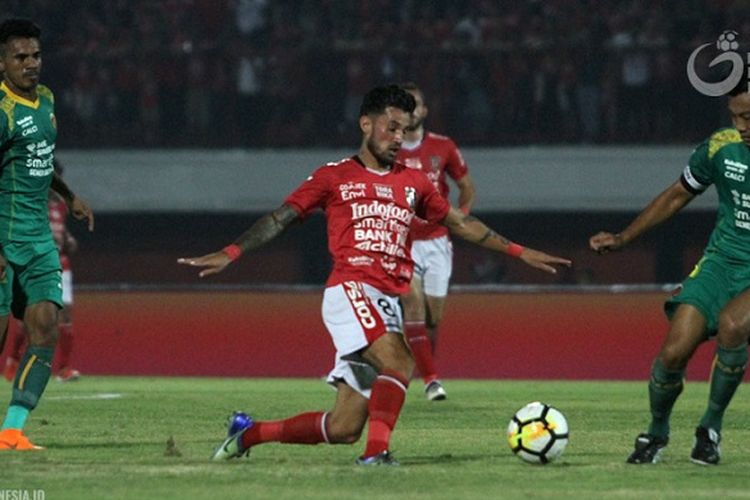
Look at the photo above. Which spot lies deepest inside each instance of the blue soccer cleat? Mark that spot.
(238, 421)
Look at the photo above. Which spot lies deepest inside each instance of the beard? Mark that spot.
(383, 157)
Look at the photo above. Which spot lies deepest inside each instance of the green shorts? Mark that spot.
(714, 281)
(33, 275)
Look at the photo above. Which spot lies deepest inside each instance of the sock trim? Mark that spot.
(394, 380)
(25, 372)
(323, 432)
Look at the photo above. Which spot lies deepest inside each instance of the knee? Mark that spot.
(341, 432)
(674, 357)
(732, 333)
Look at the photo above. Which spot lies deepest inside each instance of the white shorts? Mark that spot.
(67, 288)
(356, 315)
(433, 264)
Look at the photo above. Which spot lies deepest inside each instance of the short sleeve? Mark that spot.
(699, 172)
(455, 166)
(433, 207)
(312, 194)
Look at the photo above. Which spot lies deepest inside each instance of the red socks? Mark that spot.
(64, 345)
(386, 399)
(305, 428)
(421, 348)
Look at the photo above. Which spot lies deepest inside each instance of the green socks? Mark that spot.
(663, 389)
(33, 374)
(15, 418)
(729, 368)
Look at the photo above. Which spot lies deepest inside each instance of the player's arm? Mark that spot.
(474, 230)
(661, 208)
(466, 193)
(69, 243)
(261, 232)
(78, 207)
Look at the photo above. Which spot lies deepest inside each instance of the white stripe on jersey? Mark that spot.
(691, 181)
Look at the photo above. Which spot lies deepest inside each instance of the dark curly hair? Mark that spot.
(379, 98)
(18, 28)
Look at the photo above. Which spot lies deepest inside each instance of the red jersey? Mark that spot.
(368, 215)
(436, 156)
(58, 213)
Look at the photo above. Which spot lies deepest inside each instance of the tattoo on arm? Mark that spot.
(266, 228)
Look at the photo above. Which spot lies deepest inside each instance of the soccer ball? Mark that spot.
(538, 433)
(727, 41)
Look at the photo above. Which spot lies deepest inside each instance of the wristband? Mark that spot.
(515, 250)
(232, 251)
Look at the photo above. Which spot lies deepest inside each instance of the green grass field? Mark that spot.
(117, 447)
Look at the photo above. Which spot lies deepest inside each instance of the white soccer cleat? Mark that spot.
(435, 391)
(231, 448)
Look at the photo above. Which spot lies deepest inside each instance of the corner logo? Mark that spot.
(727, 44)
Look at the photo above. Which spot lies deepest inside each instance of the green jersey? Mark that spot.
(27, 145)
(723, 160)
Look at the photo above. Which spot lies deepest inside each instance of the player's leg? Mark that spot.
(342, 425)
(415, 330)
(392, 360)
(435, 308)
(65, 370)
(435, 284)
(727, 373)
(33, 374)
(686, 332)
(14, 341)
(37, 291)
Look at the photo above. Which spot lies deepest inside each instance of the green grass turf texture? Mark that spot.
(116, 448)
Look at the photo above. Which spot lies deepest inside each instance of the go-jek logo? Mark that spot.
(727, 45)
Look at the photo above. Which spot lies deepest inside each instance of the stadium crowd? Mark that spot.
(262, 73)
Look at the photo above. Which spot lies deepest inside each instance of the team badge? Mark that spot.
(411, 196)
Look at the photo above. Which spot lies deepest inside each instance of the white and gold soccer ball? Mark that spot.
(538, 433)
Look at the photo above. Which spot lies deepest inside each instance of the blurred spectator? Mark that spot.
(498, 71)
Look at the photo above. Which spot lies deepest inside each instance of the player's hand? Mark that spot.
(604, 242)
(214, 263)
(543, 261)
(81, 210)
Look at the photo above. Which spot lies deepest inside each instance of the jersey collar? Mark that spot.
(18, 98)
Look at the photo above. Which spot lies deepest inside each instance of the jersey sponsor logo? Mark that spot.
(361, 304)
(352, 190)
(382, 210)
(735, 170)
(28, 131)
(25, 121)
(383, 191)
(40, 159)
(360, 260)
